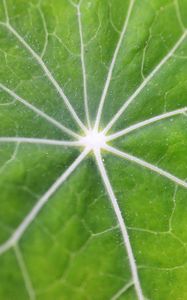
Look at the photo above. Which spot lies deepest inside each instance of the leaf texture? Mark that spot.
(93, 144)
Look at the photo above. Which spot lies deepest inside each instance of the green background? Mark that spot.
(74, 248)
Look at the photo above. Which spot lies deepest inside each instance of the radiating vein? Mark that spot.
(38, 111)
(17, 234)
(122, 225)
(50, 77)
(21, 263)
(146, 122)
(38, 141)
(144, 83)
(45, 69)
(83, 66)
(147, 165)
(109, 76)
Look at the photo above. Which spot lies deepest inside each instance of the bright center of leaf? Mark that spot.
(94, 140)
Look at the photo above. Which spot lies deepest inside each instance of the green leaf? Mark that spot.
(93, 139)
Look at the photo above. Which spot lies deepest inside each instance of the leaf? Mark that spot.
(93, 140)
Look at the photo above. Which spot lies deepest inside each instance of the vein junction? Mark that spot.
(93, 141)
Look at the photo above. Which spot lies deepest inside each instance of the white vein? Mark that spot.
(109, 76)
(17, 234)
(122, 291)
(147, 165)
(38, 111)
(122, 225)
(50, 77)
(40, 141)
(144, 83)
(83, 66)
(147, 122)
(23, 268)
(45, 69)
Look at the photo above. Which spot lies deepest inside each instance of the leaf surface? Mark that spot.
(93, 139)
